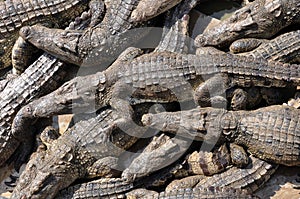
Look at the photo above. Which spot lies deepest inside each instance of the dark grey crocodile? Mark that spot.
(22, 83)
(17, 13)
(106, 40)
(270, 133)
(70, 156)
(242, 182)
(259, 19)
(44, 75)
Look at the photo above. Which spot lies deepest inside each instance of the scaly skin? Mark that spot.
(198, 192)
(233, 183)
(208, 163)
(284, 48)
(270, 133)
(259, 19)
(179, 73)
(37, 80)
(161, 152)
(43, 76)
(105, 41)
(146, 10)
(70, 156)
(102, 188)
(17, 13)
(249, 178)
(245, 45)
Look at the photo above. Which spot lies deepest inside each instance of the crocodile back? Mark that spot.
(22, 90)
(171, 70)
(272, 133)
(249, 178)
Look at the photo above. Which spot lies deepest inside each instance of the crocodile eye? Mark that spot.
(27, 109)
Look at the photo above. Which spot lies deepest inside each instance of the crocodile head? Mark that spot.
(253, 20)
(47, 172)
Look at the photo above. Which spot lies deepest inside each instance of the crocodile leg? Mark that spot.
(209, 93)
(238, 155)
(187, 182)
(246, 98)
(23, 53)
(105, 167)
(245, 45)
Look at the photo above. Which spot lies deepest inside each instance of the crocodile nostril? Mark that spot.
(25, 32)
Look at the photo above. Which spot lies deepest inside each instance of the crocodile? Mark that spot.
(123, 140)
(284, 48)
(16, 13)
(48, 63)
(201, 193)
(84, 48)
(258, 172)
(119, 187)
(259, 19)
(123, 59)
(270, 133)
(71, 155)
(102, 188)
(46, 74)
(157, 77)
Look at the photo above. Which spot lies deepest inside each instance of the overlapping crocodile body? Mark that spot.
(37, 80)
(271, 133)
(69, 157)
(259, 19)
(250, 178)
(16, 13)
